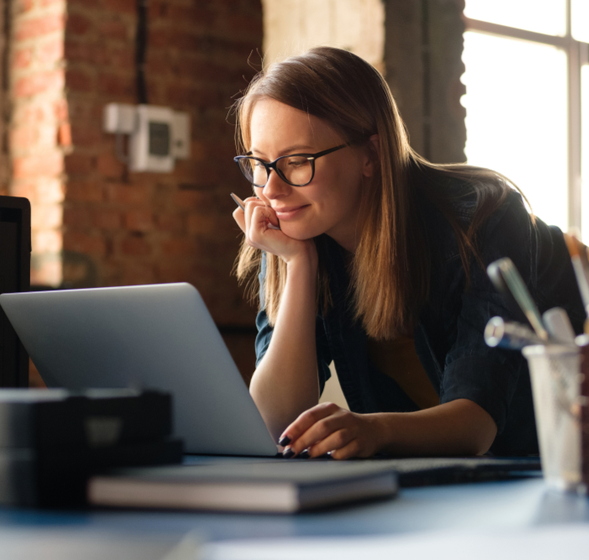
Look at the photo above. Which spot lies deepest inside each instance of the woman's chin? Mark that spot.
(298, 233)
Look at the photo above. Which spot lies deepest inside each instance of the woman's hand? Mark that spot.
(261, 228)
(327, 428)
(459, 427)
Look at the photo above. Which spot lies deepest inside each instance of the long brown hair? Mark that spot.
(390, 271)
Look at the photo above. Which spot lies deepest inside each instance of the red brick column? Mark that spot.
(38, 128)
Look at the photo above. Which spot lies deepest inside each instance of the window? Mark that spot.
(527, 82)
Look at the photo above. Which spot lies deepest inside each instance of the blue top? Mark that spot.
(449, 335)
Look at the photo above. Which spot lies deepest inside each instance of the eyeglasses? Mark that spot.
(296, 170)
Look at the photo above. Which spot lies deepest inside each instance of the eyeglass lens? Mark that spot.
(295, 170)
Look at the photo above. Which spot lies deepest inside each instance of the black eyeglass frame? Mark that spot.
(273, 165)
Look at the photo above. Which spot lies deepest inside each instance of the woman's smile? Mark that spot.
(286, 213)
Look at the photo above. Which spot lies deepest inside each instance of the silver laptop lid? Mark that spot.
(156, 336)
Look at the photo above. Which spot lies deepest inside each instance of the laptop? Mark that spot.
(157, 336)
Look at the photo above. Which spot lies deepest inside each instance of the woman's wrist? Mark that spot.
(305, 258)
(381, 430)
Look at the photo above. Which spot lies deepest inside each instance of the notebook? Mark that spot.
(145, 337)
(270, 486)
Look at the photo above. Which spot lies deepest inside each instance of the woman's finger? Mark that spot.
(239, 217)
(305, 421)
(257, 233)
(239, 214)
(258, 216)
(263, 216)
(322, 424)
(352, 449)
(343, 434)
(333, 442)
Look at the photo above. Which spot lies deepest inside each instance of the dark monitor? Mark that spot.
(15, 270)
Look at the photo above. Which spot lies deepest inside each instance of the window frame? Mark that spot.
(577, 53)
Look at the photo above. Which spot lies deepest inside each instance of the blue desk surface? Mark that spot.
(515, 504)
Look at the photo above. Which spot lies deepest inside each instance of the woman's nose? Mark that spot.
(275, 186)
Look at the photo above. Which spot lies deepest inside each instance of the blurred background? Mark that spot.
(501, 84)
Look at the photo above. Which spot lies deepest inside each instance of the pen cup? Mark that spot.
(556, 378)
(583, 343)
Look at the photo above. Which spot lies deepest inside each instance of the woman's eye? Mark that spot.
(297, 162)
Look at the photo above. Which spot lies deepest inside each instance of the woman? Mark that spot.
(374, 258)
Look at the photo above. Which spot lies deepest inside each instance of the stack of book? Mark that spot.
(53, 440)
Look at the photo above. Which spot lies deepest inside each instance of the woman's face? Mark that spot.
(330, 203)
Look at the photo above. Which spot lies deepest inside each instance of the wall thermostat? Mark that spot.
(157, 135)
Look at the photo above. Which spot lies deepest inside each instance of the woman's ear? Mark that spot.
(372, 156)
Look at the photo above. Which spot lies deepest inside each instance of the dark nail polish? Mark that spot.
(288, 453)
(284, 440)
(304, 454)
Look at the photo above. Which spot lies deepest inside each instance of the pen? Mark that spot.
(509, 334)
(559, 325)
(505, 277)
(240, 203)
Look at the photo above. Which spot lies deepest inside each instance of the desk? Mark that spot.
(505, 505)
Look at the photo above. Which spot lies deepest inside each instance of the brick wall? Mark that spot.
(96, 224)
(150, 227)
